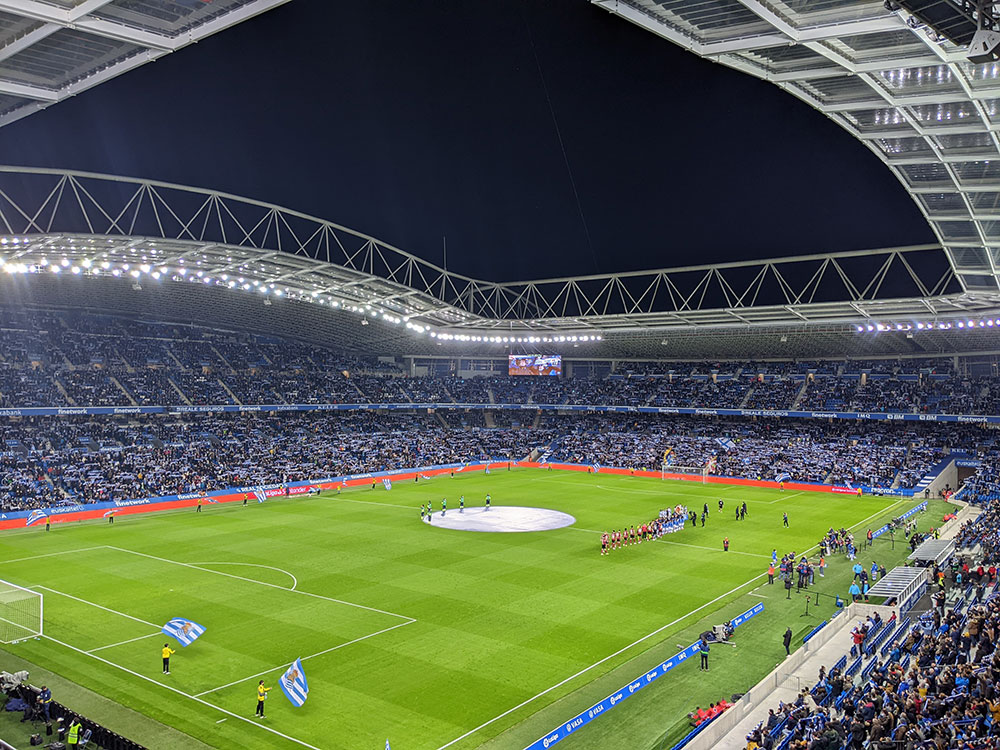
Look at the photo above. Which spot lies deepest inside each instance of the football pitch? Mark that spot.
(433, 638)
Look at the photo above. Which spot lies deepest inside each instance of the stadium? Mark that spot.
(248, 453)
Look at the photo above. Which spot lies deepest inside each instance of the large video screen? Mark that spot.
(534, 364)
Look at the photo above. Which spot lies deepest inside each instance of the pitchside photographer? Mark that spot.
(38, 707)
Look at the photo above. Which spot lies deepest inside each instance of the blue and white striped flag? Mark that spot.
(109, 512)
(387, 483)
(783, 477)
(185, 631)
(387, 745)
(487, 471)
(596, 468)
(211, 499)
(260, 494)
(36, 516)
(726, 443)
(293, 684)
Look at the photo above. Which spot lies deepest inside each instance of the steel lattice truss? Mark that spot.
(928, 113)
(91, 224)
(55, 49)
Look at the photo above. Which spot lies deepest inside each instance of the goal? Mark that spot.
(20, 613)
(693, 471)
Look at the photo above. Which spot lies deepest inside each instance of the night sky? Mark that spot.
(414, 121)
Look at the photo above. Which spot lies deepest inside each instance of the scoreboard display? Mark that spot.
(534, 364)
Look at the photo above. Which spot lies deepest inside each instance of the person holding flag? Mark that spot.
(110, 515)
(167, 651)
(261, 697)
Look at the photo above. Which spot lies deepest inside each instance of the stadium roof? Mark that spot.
(54, 49)
(909, 95)
(143, 236)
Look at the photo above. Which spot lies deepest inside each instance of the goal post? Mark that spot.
(20, 613)
(701, 472)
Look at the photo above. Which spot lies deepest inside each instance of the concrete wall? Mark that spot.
(762, 691)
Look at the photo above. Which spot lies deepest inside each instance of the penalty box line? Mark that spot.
(228, 684)
(181, 693)
(644, 638)
(262, 583)
(305, 658)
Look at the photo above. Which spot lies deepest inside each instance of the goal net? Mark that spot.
(693, 471)
(20, 613)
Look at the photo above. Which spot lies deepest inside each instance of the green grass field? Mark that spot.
(432, 638)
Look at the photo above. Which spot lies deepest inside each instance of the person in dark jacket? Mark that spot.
(787, 640)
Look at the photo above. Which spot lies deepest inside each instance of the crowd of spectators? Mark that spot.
(63, 359)
(66, 461)
(933, 684)
(53, 460)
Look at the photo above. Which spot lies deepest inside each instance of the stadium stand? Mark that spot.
(58, 358)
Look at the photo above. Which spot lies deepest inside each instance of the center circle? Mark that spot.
(501, 518)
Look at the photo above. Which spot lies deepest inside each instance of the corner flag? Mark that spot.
(293, 684)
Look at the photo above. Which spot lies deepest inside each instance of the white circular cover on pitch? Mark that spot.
(502, 518)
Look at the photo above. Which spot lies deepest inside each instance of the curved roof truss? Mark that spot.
(52, 50)
(911, 97)
(101, 225)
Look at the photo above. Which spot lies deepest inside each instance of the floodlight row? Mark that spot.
(940, 325)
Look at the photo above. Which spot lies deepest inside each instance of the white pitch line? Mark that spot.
(785, 497)
(181, 693)
(598, 663)
(122, 643)
(51, 554)
(372, 502)
(682, 544)
(260, 583)
(635, 643)
(304, 658)
(295, 581)
(754, 593)
(93, 604)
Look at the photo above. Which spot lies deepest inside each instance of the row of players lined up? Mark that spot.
(668, 521)
(427, 512)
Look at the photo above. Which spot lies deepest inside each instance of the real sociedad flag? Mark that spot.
(185, 631)
(35, 516)
(109, 512)
(293, 684)
(487, 468)
(425, 476)
(596, 468)
(783, 477)
(387, 483)
(211, 499)
(260, 494)
(726, 443)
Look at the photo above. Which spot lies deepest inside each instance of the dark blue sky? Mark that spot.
(412, 121)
